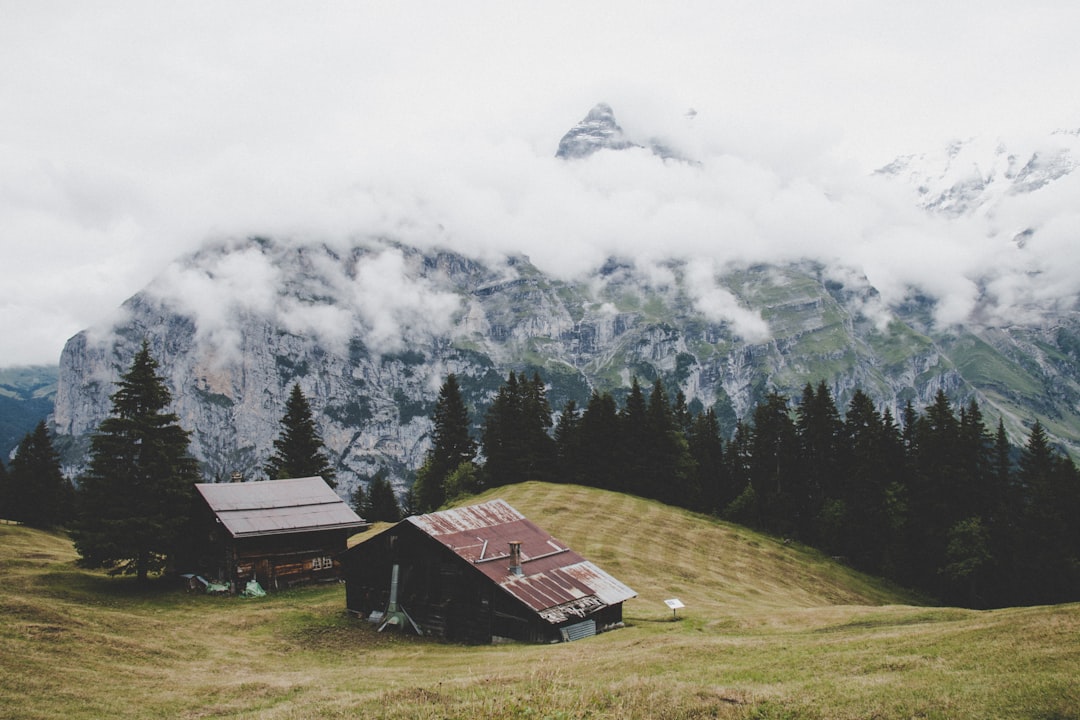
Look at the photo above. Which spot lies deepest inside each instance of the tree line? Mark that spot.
(130, 510)
(935, 500)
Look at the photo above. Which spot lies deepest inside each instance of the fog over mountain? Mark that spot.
(650, 255)
(133, 134)
(986, 229)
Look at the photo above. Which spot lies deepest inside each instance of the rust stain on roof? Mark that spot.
(555, 581)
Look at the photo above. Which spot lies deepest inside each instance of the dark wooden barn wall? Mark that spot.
(441, 592)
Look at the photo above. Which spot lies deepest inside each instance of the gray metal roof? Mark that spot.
(273, 507)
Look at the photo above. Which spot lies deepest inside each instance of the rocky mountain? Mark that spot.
(599, 131)
(975, 175)
(373, 388)
(26, 398)
(370, 328)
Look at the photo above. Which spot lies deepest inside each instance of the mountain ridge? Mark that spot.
(373, 391)
(370, 326)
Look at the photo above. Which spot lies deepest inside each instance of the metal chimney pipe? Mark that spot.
(515, 557)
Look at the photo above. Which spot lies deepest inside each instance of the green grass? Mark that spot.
(770, 631)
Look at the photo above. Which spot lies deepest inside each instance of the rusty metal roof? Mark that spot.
(555, 581)
(274, 507)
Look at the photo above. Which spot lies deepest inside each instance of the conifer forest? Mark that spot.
(937, 500)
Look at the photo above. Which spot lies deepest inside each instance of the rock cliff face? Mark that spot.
(370, 332)
(370, 329)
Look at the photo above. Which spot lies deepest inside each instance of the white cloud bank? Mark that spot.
(132, 133)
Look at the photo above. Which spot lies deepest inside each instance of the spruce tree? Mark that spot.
(599, 443)
(39, 495)
(819, 429)
(634, 442)
(568, 456)
(299, 450)
(670, 469)
(135, 498)
(451, 446)
(1050, 555)
(516, 436)
(774, 471)
(707, 449)
(380, 504)
(5, 494)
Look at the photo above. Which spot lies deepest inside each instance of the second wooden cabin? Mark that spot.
(480, 573)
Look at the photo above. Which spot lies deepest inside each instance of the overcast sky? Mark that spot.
(132, 132)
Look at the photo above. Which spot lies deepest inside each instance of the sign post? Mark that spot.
(675, 604)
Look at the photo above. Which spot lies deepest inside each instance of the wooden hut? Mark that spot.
(277, 532)
(477, 574)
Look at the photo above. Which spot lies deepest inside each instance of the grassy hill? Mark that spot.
(770, 631)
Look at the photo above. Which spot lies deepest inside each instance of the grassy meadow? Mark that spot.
(770, 631)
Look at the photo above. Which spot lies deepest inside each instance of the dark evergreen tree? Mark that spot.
(1050, 553)
(39, 494)
(599, 443)
(452, 445)
(358, 500)
(134, 500)
(895, 560)
(863, 486)
(408, 502)
(707, 449)
(503, 438)
(5, 494)
(568, 455)
(681, 415)
(737, 468)
(818, 427)
(634, 442)
(774, 470)
(380, 504)
(516, 438)
(932, 489)
(536, 427)
(299, 450)
(670, 475)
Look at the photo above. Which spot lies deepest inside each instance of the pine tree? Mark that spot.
(599, 443)
(536, 424)
(452, 443)
(135, 497)
(39, 494)
(568, 444)
(5, 494)
(634, 445)
(819, 428)
(707, 449)
(452, 446)
(299, 450)
(670, 470)
(774, 464)
(1050, 557)
(380, 504)
(516, 436)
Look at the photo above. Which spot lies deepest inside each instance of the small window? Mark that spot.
(322, 563)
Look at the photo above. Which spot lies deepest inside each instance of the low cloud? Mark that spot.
(133, 135)
(307, 290)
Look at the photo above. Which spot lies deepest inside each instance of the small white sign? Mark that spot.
(674, 603)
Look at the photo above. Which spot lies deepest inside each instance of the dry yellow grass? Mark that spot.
(769, 631)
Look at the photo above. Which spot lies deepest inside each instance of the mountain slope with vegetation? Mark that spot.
(770, 630)
(369, 331)
(26, 398)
